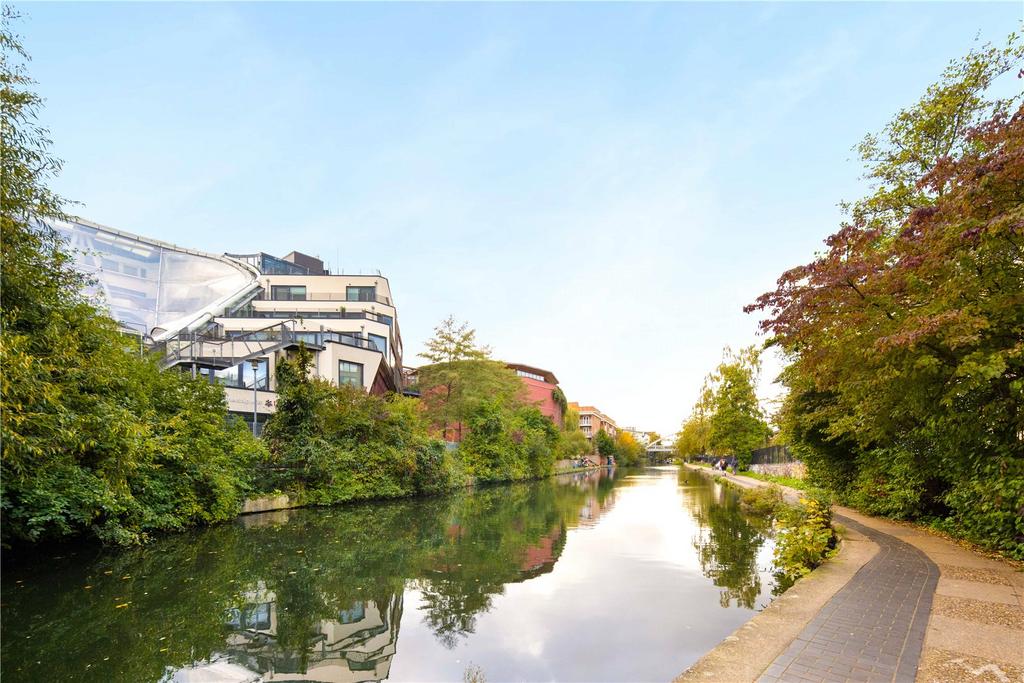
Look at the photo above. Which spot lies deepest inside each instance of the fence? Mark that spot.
(772, 455)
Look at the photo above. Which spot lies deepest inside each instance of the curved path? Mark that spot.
(873, 629)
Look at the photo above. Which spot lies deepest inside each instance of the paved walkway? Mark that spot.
(873, 629)
(921, 608)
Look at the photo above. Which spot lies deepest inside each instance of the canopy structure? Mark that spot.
(152, 287)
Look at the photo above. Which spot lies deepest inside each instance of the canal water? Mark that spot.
(625, 576)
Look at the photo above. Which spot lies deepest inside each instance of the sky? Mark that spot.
(597, 188)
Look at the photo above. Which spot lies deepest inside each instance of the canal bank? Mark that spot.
(895, 604)
(275, 502)
(628, 575)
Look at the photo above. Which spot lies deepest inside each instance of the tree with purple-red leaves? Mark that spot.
(905, 336)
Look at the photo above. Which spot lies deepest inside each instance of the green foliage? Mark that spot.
(505, 443)
(727, 420)
(458, 551)
(765, 501)
(806, 538)
(96, 440)
(460, 376)
(571, 445)
(628, 451)
(604, 444)
(791, 482)
(558, 397)
(907, 374)
(332, 444)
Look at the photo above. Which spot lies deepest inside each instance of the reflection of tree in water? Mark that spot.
(727, 543)
(495, 536)
(186, 597)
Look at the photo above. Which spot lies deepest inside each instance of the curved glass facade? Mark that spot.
(153, 287)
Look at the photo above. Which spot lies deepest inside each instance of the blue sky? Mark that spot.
(597, 188)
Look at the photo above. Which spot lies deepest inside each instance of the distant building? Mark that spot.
(541, 387)
(593, 420)
(642, 438)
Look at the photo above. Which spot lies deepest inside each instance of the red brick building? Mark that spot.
(541, 386)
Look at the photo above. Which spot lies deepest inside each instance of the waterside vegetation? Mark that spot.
(906, 366)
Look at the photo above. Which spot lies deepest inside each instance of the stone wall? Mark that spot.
(796, 470)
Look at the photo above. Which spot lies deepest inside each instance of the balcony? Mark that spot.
(249, 312)
(361, 298)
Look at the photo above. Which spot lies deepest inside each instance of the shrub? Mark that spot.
(806, 538)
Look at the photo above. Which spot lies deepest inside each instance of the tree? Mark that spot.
(904, 335)
(95, 439)
(461, 375)
(737, 425)
(628, 450)
(604, 444)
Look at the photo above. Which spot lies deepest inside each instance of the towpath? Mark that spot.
(896, 604)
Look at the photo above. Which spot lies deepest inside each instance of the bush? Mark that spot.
(806, 538)
(332, 444)
(764, 501)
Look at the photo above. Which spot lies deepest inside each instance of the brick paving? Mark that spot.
(871, 630)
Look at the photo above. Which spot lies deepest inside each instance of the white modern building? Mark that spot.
(233, 317)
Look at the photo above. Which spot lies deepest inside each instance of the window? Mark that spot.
(361, 293)
(242, 375)
(530, 375)
(386, 319)
(350, 373)
(380, 342)
(288, 293)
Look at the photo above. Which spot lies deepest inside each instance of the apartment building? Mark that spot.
(233, 317)
(349, 322)
(542, 390)
(593, 420)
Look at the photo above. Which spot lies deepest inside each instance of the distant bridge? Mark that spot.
(657, 448)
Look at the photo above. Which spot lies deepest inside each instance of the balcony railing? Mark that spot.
(326, 296)
(331, 315)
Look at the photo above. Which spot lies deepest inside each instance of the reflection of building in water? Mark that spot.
(540, 558)
(595, 505)
(356, 646)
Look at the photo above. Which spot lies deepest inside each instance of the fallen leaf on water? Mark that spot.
(86, 587)
(123, 604)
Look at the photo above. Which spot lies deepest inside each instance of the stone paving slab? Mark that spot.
(873, 629)
(974, 590)
(974, 633)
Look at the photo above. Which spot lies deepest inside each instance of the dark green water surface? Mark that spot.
(629, 576)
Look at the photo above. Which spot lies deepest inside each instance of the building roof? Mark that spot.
(548, 376)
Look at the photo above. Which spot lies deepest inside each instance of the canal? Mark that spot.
(630, 576)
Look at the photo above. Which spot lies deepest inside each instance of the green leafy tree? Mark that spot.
(904, 335)
(461, 374)
(737, 425)
(628, 450)
(604, 444)
(330, 444)
(95, 439)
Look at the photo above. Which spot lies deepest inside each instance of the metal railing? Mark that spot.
(328, 315)
(326, 296)
(229, 349)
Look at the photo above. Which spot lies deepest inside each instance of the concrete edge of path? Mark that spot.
(750, 649)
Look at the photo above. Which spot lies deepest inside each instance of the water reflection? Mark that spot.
(728, 542)
(322, 595)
